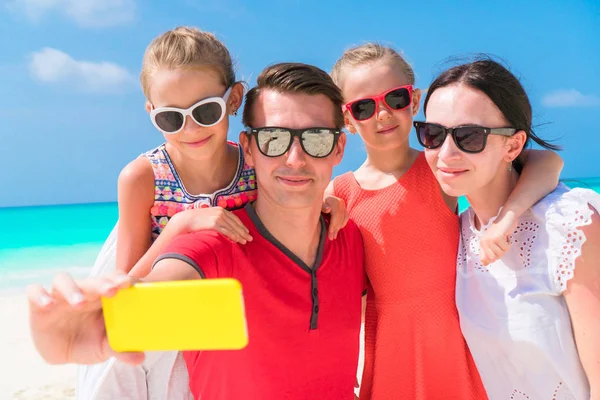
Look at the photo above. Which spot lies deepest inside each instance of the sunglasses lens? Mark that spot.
(208, 113)
(318, 142)
(470, 139)
(273, 142)
(431, 136)
(398, 99)
(169, 121)
(363, 109)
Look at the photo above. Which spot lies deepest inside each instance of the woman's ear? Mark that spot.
(246, 143)
(515, 145)
(416, 101)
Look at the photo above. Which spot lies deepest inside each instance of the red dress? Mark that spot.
(414, 348)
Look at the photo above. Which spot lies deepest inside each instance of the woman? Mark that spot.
(532, 318)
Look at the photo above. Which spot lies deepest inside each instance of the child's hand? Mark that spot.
(495, 240)
(213, 218)
(339, 215)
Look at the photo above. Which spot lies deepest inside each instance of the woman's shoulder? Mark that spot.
(566, 213)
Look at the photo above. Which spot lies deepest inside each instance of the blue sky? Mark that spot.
(73, 114)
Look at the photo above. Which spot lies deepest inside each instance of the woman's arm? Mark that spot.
(135, 197)
(539, 177)
(583, 300)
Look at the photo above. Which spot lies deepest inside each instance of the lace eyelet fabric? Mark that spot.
(513, 316)
(559, 394)
(568, 247)
(523, 239)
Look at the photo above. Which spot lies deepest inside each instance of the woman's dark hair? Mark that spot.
(503, 88)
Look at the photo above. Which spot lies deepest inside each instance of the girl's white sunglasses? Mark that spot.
(207, 112)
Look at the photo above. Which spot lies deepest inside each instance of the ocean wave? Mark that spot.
(15, 282)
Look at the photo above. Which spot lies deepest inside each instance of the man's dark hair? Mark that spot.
(295, 78)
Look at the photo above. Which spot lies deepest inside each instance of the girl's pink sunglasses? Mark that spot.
(396, 99)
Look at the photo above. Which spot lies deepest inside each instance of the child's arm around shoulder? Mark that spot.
(540, 175)
(195, 255)
(213, 218)
(337, 208)
(582, 296)
(135, 197)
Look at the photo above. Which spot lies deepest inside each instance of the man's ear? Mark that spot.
(340, 146)
(515, 145)
(416, 101)
(349, 122)
(246, 143)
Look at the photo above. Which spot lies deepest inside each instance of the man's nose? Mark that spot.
(295, 156)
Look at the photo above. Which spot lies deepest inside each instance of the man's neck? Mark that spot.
(298, 229)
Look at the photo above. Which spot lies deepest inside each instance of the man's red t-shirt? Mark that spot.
(303, 323)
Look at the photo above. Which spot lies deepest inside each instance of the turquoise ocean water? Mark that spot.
(37, 242)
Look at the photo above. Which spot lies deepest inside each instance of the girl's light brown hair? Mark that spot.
(186, 47)
(369, 53)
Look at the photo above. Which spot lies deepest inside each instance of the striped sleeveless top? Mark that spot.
(171, 197)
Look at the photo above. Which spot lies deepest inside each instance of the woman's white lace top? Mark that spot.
(512, 312)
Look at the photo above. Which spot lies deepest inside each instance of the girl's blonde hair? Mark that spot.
(186, 47)
(369, 53)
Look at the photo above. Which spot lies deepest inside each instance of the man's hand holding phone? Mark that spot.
(89, 321)
(67, 323)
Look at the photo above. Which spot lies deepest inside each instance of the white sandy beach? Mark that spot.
(23, 374)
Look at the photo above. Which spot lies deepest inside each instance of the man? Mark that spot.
(302, 291)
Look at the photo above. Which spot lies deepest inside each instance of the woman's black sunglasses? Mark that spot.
(470, 139)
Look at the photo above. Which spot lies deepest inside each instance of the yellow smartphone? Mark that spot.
(205, 314)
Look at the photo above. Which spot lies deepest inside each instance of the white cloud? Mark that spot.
(85, 13)
(570, 98)
(56, 67)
